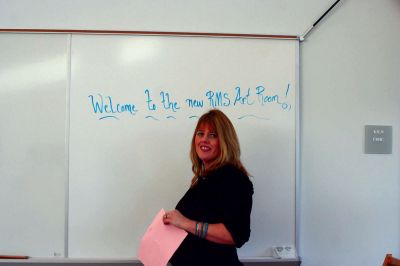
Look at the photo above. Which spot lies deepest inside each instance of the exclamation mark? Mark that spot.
(285, 105)
(287, 90)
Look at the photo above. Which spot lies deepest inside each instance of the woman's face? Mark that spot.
(207, 144)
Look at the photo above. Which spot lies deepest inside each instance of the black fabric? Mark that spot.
(224, 196)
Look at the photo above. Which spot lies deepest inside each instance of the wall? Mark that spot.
(349, 205)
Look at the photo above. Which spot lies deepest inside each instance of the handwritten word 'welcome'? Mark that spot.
(108, 109)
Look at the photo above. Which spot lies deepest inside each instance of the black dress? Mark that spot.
(223, 196)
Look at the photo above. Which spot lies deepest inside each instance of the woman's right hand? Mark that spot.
(175, 218)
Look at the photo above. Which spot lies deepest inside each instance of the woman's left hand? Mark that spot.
(175, 218)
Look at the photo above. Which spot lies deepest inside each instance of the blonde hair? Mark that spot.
(229, 152)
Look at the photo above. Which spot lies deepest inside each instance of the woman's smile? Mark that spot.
(207, 144)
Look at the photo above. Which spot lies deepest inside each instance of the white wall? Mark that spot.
(349, 205)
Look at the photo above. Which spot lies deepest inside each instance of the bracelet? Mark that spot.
(201, 230)
(205, 231)
(196, 232)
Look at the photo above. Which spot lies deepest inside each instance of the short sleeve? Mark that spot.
(237, 198)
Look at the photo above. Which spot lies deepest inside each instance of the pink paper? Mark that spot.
(160, 242)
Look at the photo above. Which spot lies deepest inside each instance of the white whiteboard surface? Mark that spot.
(32, 144)
(127, 161)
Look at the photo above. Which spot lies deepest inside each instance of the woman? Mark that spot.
(215, 211)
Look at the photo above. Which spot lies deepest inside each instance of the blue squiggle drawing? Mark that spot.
(193, 116)
(253, 116)
(108, 116)
(150, 116)
(171, 116)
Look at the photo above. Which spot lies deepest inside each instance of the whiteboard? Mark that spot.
(33, 172)
(134, 102)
